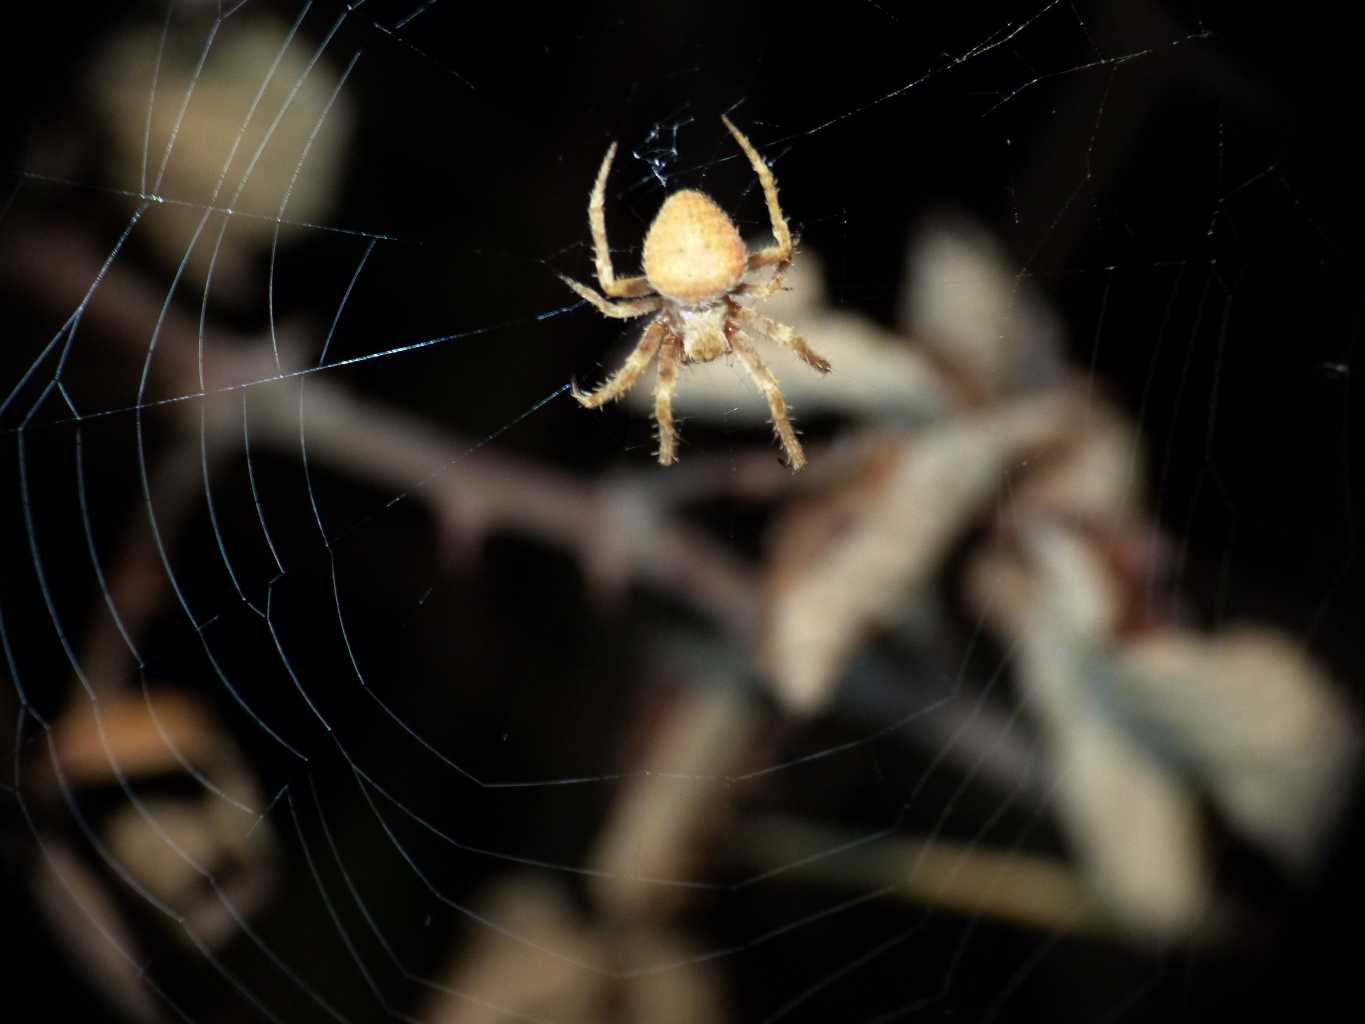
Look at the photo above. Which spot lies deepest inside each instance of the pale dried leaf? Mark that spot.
(889, 540)
(1133, 822)
(1139, 726)
(215, 127)
(577, 975)
(1094, 476)
(212, 835)
(967, 301)
(124, 739)
(661, 819)
(1259, 725)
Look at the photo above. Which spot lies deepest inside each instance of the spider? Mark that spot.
(694, 267)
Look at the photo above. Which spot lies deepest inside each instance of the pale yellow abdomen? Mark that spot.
(693, 252)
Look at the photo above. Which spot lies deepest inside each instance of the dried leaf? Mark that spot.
(660, 820)
(1142, 725)
(1133, 821)
(1260, 727)
(1093, 476)
(132, 738)
(854, 559)
(549, 964)
(219, 124)
(968, 302)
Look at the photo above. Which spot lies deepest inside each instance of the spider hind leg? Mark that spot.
(783, 335)
(623, 379)
(670, 359)
(777, 402)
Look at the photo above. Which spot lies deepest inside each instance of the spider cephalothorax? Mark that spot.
(694, 267)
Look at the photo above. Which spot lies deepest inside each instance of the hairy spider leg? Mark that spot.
(782, 334)
(670, 360)
(777, 404)
(626, 287)
(615, 310)
(622, 380)
(781, 252)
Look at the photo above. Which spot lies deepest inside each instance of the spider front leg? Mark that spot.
(780, 253)
(670, 361)
(782, 334)
(777, 402)
(615, 310)
(626, 287)
(622, 380)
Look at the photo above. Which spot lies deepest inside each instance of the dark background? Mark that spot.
(1203, 182)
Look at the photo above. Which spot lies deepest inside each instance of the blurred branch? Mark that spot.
(133, 577)
(620, 529)
(964, 878)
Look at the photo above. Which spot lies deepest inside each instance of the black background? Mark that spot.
(1208, 177)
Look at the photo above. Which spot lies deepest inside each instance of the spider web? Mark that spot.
(294, 479)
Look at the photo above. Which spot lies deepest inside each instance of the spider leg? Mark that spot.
(782, 334)
(670, 360)
(621, 381)
(777, 403)
(781, 252)
(615, 310)
(765, 289)
(626, 287)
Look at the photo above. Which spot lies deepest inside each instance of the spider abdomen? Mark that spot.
(693, 251)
